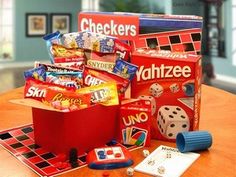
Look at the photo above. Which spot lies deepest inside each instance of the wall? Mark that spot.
(34, 48)
(223, 67)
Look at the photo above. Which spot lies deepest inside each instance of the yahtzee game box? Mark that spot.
(171, 81)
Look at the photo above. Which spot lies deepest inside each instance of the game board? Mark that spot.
(20, 143)
(188, 41)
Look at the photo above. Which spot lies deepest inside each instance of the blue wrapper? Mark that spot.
(38, 73)
(125, 69)
(50, 39)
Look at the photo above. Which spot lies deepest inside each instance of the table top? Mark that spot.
(218, 116)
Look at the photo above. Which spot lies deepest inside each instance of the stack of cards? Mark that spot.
(134, 136)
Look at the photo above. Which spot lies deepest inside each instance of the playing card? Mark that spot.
(137, 136)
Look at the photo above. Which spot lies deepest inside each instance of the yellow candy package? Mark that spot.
(105, 94)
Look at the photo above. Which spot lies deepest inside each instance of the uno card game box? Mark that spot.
(134, 123)
(171, 81)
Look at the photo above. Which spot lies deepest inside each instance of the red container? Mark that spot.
(84, 130)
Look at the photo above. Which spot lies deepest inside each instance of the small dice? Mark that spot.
(174, 88)
(152, 100)
(156, 90)
(130, 171)
(145, 153)
(161, 170)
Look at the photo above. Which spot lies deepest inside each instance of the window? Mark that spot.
(90, 5)
(6, 30)
(234, 32)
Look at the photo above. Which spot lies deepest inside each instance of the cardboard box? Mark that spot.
(134, 122)
(173, 81)
(84, 129)
(128, 26)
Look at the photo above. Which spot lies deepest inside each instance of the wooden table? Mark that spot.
(218, 115)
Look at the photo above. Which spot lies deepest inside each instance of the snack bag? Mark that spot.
(69, 57)
(37, 89)
(52, 38)
(134, 122)
(68, 79)
(105, 94)
(101, 61)
(96, 77)
(38, 73)
(66, 100)
(125, 69)
(96, 42)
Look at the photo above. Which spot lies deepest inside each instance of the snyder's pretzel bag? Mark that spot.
(102, 61)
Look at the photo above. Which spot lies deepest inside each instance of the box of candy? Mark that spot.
(75, 99)
(171, 81)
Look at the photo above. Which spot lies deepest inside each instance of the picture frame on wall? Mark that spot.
(60, 22)
(36, 24)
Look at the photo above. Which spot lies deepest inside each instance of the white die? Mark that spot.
(156, 90)
(130, 171)
(152, 100)
(171, 120)
(174, 88)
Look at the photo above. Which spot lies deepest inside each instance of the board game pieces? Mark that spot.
(109, 158)
(163, 162)
(73, 158)
(20, 143)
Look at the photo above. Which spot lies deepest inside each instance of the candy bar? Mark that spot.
(68, 79)
(96, 77)
(37, 89)
(66, 100)
(105, 94)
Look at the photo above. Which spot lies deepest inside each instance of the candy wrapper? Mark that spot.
(102, 61)
(38, 73)
(37, 89)
(66, 100)
(105, 94)
(70, 57)
(59, 69)
(125, 69)
(52, 38)
(96, 42)
(68, 79)
(96, 77)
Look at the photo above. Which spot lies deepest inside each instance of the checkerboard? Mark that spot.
(20, 143)
(188, 41)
